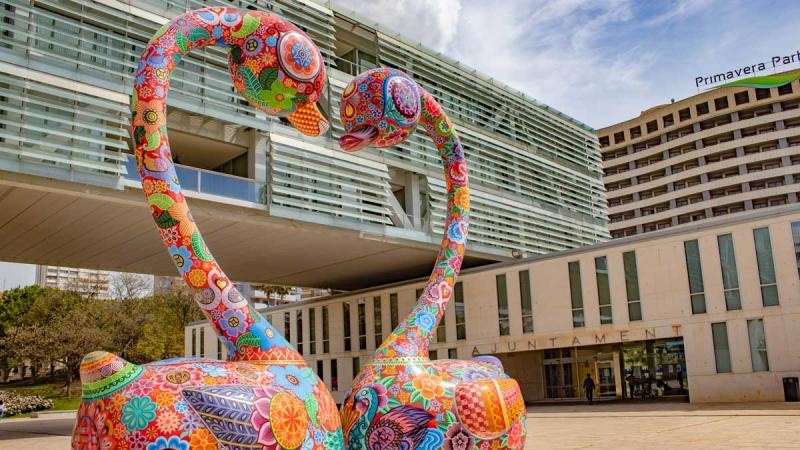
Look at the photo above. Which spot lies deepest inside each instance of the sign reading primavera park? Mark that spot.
(765, 81)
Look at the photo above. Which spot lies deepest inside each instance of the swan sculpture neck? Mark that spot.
(278, 69)
(414, 334)
(403, 104)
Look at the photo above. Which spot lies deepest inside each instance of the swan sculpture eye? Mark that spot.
(298, 56)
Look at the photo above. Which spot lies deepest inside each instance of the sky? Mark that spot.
(599, 61)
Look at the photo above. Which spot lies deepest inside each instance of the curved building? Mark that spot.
(724, 151)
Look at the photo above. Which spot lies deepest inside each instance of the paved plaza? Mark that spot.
(601, 426)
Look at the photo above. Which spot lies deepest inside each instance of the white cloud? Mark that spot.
(600, 61)
(430, 22)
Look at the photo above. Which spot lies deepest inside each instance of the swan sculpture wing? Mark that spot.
(265, 396)
(468, 403)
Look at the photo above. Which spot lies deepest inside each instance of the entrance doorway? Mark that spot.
(566, 368)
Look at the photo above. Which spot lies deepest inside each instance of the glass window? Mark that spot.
(526, 300)
(452, 353)
(312, 330)
(362, 325)
(393, 310)
(796, 240)
(722, 353)
(730, 278)
(194, 342)
(695, 270)
(287, 326)
(433, 355)
(326, 332)
(219, 349)
(378, 328)
(334, 374)
(299, 331)
(461, 318)
(576, 294)
(502, 304)
(346, 321)
(320, 370)
(632, 286)
(202, 342)
(766, 267)
(356, 366)
(758, 345)
(603, 290)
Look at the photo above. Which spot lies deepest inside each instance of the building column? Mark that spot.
(413, 206)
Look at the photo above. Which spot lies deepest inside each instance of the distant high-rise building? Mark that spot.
(721, 152)
(86, 281)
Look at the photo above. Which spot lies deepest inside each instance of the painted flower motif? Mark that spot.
(278, 96)
(260, 421)
(405, 97)
(253, 45)
(457, 231)
(458, 173)
(138, 413)
(191, 422)
(298, 56)
(457, 438)
(462, 198)
(168, 421)
(173, 443)
(302, 55)
(136, 440)
(181, 406)
(476, 373)
(233, 322)
(289, 420)
(299, 381)
(164, 399)
(425, 321)
(202, 439)
(429, 386)
(182, 257)
(455, 262)
(197, 278)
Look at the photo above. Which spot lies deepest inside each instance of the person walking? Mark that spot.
(588, 386)
(2, 409)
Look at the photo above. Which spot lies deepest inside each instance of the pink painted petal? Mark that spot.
(262, 406)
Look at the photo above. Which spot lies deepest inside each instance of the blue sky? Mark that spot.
(600, 61)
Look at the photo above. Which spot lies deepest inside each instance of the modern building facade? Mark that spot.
(66, 171)
(87, 281)
(709, 310)
(724, 151)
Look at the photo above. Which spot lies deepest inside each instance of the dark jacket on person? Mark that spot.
(588, 384)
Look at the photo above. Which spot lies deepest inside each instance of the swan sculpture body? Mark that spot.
(265, 397)
(401, 399)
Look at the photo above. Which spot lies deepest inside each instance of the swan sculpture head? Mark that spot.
(402, 399)
(380, 108)
(264, 396)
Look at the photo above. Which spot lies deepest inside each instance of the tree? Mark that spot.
(128, 286)
(14, 304)
(272, 289)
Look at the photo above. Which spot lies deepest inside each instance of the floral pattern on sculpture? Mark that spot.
(401, 399)
(266, 394)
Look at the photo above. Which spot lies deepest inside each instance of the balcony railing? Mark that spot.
(210, 183)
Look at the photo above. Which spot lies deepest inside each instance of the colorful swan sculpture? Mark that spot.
(401, 399)
(265, 397)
